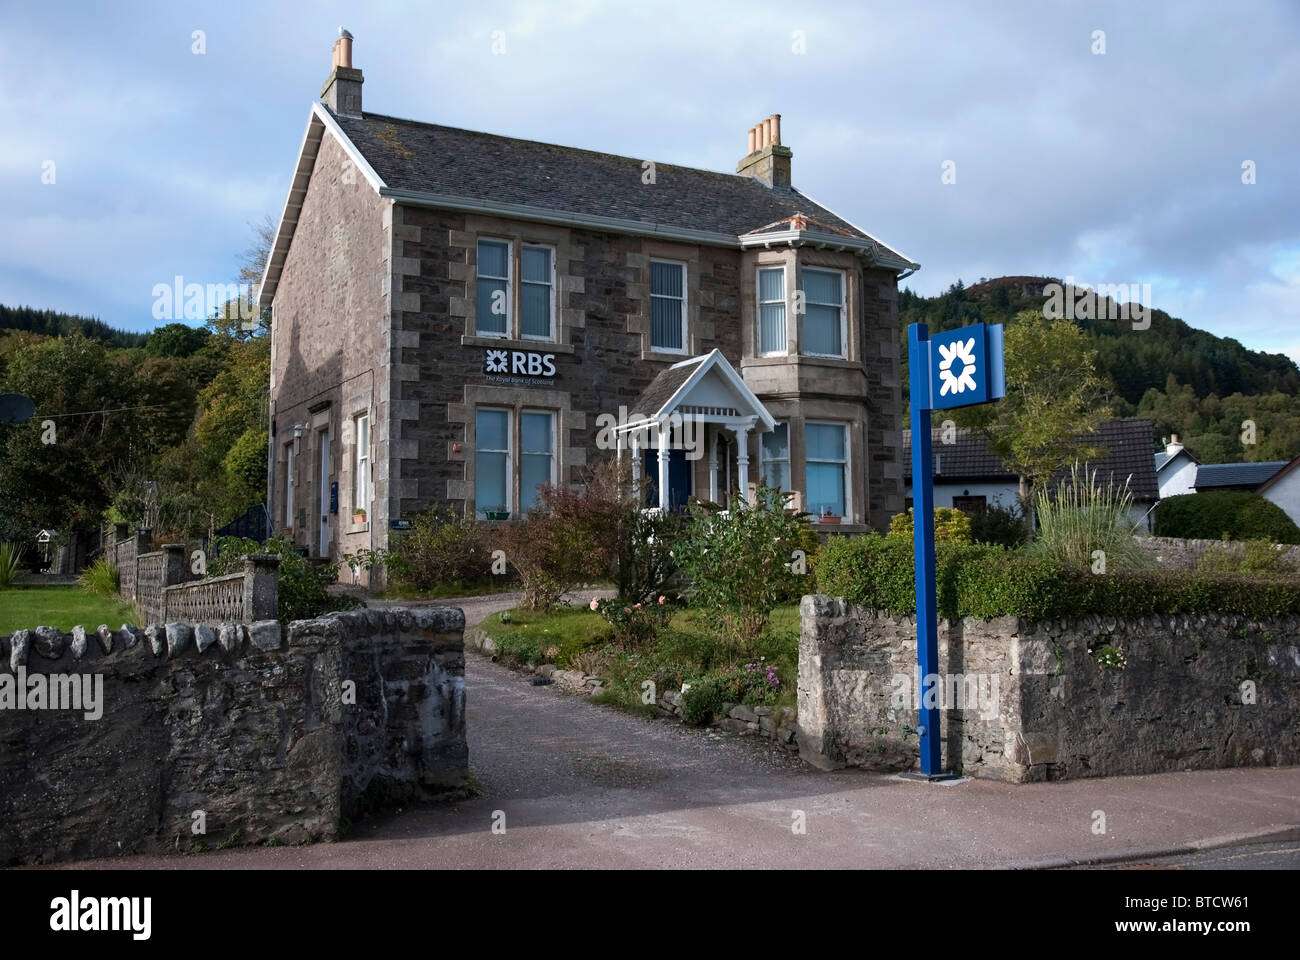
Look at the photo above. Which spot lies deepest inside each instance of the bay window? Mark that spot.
(826, 457)
(774, 454)
(823, 320)
(771, 311)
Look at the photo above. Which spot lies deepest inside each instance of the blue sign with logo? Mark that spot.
(964, 367)
(958, 368)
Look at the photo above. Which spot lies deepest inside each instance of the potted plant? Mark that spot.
(358, 515)
(497, 513)
(828, 517)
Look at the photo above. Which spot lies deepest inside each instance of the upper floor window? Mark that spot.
(502, 311)
(771, 311)
(826, 467)
(288, 484)
(823, 321)
(492, 305)
(667, 306)
(537, 293)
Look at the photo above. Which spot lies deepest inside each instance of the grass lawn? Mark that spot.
(452, 589)
(690, 649)
(25, 607)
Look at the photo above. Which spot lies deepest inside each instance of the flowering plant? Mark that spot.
(633, 622)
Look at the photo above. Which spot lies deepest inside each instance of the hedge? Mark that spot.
(1234, 514)
(984, 581)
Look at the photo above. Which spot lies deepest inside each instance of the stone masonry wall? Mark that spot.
(274, 735)
(1193, 692)
(1172, 553)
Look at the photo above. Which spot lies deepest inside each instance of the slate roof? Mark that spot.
(1128, 444)
(1211, 476)
(661, 390)
(1161, 459)
(467, 164)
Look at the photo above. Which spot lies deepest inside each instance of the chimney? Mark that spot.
(342, 90)
(1173, 446)
(767, 159)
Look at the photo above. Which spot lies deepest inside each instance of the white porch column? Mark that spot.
(636, 468)
(663, 466)
(742, 460)
(713, 467)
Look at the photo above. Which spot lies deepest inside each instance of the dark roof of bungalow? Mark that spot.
(1244, 476)
(1128, 446)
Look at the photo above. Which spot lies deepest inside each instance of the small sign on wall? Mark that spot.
(334, 497)
(398, 524)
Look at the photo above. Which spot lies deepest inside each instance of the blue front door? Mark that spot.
(679, 479)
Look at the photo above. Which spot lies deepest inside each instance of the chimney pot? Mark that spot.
(776, 128)
(767, 160)
(752, 146)
(342, 90)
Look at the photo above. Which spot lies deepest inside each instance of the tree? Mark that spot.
(1054, 396)
(176, 340)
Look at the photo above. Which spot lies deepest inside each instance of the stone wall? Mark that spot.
(273, 735)
(1181, 693)
(1172, 553)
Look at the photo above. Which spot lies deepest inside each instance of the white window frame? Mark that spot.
(550, 335)
(361, 465)
(763, 460)
(848, 463)
(686, 343)
(555, 452)
(510, 459)
(507, 334)
(758, 310)
(288, 484)
(844, 307)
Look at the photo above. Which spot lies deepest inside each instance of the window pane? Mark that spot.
(535, 433)
(821, 330)
(777, 474)
(535, 310)
(490, 310)
(665, 323)
(820, 287)
(490, 481)
(825, 488)
(776, 443)
(491, 430)
(493, 257)
(825, 441)
(771, 285)
(536, 264)
(534, 471)
(363, 435)
(666, 279)
(771, 328)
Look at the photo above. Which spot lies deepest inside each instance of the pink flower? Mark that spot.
(661, 601)
(594, 605)
(627, 609)
(636, 606)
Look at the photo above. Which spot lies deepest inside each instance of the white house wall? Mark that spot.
(1286, 494)
(1178, 479)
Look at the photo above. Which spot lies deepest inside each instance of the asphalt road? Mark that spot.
(570, 784)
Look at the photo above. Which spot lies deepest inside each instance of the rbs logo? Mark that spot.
(521, 363)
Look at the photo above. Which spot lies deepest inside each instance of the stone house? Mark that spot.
(460, 316)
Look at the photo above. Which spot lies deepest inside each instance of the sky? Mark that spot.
(168, 129)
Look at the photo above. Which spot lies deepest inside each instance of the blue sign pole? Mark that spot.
(927, 623)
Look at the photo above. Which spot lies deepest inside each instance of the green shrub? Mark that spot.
(977, 580)
(442, 546)
(632, 621)
(10, 557)
(949, 524)
(302, 594)
(643, 559)
(739, 561)
(100, 578)
(1004, 526)
(1081, 518)
(1224, 514)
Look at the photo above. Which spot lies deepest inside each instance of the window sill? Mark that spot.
(362, 527)
(504, 343)
(665, 356)
(810, 360)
